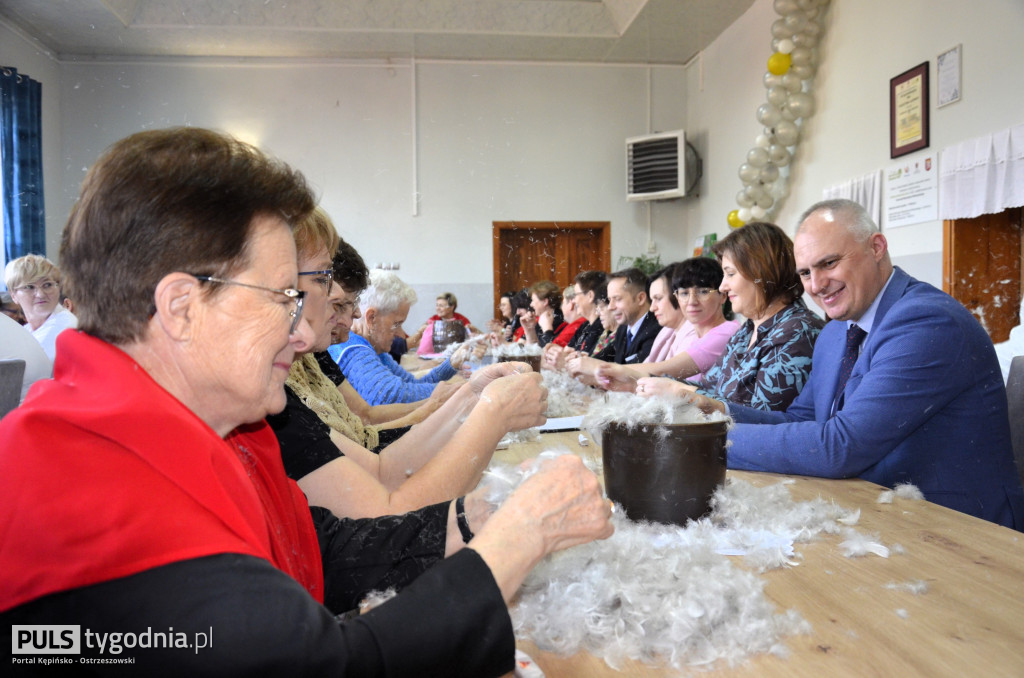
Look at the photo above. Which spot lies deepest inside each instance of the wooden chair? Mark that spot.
(1015, 396)
(12, 372)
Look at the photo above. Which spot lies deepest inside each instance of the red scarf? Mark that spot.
(104, 474)
(567, 332)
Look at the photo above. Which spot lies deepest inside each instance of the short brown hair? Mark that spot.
(160, 201)
(545, 289)
(591, 281)
(634, 280)
(763, 254)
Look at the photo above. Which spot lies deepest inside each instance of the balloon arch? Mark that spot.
(791, 69)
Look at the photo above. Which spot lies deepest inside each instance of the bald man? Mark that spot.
(905, 385)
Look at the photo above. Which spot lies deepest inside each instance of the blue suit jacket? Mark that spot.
(925, 404)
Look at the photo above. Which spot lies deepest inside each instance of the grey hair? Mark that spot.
(386, 292)
(853, 217)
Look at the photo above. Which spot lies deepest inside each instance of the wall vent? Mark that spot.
(655, 166)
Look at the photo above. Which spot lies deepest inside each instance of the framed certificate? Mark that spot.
(908, 111)
(947, 76)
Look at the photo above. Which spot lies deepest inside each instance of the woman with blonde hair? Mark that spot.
(34, 282)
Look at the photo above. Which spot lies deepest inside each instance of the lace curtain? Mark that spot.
(983, 175)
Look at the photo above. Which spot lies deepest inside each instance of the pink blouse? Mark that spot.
(704, 351)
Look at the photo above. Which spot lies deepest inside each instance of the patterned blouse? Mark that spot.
(770, 374)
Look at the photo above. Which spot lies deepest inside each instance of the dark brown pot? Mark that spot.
(446, 333)
(666, 479)
(532, 360)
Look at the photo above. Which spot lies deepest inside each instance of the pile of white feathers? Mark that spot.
(666, 595)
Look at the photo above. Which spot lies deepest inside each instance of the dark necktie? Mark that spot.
(629, 338)
(854, 337)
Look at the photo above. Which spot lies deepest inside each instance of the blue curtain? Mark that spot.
(21, 152)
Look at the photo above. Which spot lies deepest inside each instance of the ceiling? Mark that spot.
(601, 31)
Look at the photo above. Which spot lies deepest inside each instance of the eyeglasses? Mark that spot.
(291, 293)
(45, 286)
(325, 279)
(702, 293)
(345, 307)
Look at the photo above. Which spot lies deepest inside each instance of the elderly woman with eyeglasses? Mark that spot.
(143, 492)
(686, 301)
(364, 357)
(34, 282)
(351, 277)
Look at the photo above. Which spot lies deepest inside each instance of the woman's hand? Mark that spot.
(613, 377)
(445, 390)
(563, 504)
(546, 320)
(648, 387)
(521, 399)
(555, 356)
(485, 375)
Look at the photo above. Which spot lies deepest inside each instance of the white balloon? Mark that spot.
(765, 201)
(781, 30)
(812, 28)
(788, 114)
(786, 133)
(754, 193)
(800, 105)
(771, 80)
(784, 7)
(744, 200)
(769, 173)
(795, 23)
(803, 71)
(785, 46)
(777, 96)
(744, 213)
(757, 212)
(763, 141)
(748, 173)
(800, 56)
(768, 115)
(757, 157)
(805, 39)
(791, 82)
(778, 155)
(806, 4)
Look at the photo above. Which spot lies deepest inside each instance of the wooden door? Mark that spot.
(982, 268)
(526, 252)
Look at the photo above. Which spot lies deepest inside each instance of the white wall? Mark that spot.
(500, 141)
(495, 142)
(866, 43)
(20, 51)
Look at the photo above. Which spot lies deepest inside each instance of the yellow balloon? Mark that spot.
(734, 219)
(778, 63)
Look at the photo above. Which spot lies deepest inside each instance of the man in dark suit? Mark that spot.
(905, 385)
(629, 302)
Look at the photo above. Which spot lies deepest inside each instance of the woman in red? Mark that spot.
(143, 490)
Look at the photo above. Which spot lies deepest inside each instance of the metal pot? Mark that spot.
(446, 333)
(532, 360)
(664, 478)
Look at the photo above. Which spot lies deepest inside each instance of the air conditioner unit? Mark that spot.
(657, 164)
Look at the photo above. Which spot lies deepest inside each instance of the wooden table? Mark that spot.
(970, 622)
